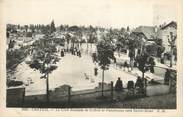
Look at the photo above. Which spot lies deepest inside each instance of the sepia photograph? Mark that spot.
(70, 54)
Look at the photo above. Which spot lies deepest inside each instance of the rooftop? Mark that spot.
(171, 24)
(148, 31)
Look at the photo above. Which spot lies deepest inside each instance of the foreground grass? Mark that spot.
(155, 102)
(167, 101)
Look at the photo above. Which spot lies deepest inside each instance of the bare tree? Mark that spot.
(171, 41)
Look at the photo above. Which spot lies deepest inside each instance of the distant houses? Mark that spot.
(149, 34)
(25, 35)
(21, 36)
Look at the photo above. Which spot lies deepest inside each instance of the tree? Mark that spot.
(171, 41)
(26, 28)
(62, 28)
(152, 49)
(159, 46)
(143, 66)
(92, 39)
(142, 61)
(68, 38)
(134, 42)
(79, 37)
(7, 34)
(121, 39)
(44, 59)
(32, 28)
(11, 45)
(131, 48)
(73, 40)
(45, 29)
(105, 54)
(91, 36)
(53, 29)
(160, 50)
(15, 57)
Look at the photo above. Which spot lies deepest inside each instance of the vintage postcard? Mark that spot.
(85, 57)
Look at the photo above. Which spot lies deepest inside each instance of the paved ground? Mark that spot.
(71, 70)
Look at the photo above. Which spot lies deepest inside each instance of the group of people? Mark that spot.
(128, 64)
(140, 83)
(75, 51)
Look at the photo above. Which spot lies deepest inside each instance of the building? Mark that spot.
(148, 32)
(164, 34)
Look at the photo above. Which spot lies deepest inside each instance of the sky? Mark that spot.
(105, 13)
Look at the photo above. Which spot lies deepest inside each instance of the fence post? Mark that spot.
(69, 95)
(23, 97)
(111, 91)
(170, 84)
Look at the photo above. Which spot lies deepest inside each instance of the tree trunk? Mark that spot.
(103, 82)
(171, 57)
(112, 91)
(47, 89)
(118, 53)
(131, 63)
(87, 45)
(90, 46)
(73, 44)
(142, 75)
(144, 83)
(67, 46)
(141, 50)
(143, 79)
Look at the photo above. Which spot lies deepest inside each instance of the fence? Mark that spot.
(85, 98)
(63, 96)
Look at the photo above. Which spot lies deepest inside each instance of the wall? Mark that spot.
(15, 97)
(163, 34)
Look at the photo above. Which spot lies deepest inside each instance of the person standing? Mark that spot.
(95, 71)
(119, 85)
(79, 53)
(62, 53)
(152, 64)
(167, 77)
(139, 82)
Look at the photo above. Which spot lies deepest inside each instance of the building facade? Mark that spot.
(164, 34)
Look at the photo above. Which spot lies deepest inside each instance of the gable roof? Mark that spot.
(171, 24)
(148, 31)
(137, 35)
